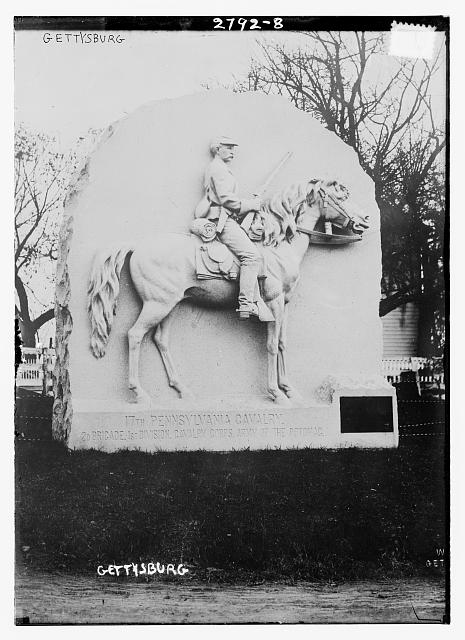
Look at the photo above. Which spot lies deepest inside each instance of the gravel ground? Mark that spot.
(59, 599)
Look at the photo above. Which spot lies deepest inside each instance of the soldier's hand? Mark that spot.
(257, 203)
(251, 204)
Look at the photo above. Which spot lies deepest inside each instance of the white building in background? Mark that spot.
(400, 332)
(47, 333)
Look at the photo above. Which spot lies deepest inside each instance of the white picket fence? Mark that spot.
(36, 364)
(393, 368)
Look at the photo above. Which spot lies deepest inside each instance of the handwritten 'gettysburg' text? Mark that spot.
(82, 38)
(142, 569)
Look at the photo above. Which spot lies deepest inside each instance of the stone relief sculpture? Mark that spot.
(206, 266)
(143, 227)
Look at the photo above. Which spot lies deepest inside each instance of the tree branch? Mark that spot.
(43, 318)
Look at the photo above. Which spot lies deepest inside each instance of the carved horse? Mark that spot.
(163, 272)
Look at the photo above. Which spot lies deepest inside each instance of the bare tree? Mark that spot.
(413, 239)
(42, 173)
(381, 107)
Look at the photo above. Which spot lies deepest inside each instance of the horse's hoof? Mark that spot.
(279, 398)
(294, 396)
(142, 398)
(185, 394)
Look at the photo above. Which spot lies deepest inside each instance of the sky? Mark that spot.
(67, 87)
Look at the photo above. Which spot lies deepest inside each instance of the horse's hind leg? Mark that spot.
(152, 313)
(161, 339)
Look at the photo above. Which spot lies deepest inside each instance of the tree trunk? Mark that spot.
(426, 342)
(28, 326)
(28, 333)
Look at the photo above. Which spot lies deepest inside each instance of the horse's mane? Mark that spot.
(280, 212)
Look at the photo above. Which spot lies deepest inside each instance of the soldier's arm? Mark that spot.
(251, 204)
(224, 189)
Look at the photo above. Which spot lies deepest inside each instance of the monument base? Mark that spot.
(355, 418)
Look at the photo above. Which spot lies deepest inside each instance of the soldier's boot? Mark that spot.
(250, 301)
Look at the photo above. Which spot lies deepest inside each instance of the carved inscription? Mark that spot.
(158, 427)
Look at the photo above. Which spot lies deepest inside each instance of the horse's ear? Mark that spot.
(312, 191)
(341, 190)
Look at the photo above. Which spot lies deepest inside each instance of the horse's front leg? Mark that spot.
(283, 380)
(277, 308)
(161, 339)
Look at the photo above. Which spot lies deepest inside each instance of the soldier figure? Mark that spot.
(222, 205)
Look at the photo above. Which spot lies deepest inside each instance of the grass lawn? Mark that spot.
(272, 515)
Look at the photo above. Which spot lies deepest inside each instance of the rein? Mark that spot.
(304, 230)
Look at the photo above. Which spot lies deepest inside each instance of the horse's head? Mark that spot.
(300, 205)
(332, 200)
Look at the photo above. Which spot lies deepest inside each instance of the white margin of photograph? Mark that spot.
(457, 267)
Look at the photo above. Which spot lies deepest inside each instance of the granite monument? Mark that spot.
(191, 215)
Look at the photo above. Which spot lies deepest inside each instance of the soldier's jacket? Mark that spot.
(221, 191)
(221, 188)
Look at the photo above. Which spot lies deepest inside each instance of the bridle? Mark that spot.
(348, 221)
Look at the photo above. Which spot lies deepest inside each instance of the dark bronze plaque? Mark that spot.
(366, 414)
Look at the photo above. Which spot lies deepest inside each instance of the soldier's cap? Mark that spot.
(226, 140)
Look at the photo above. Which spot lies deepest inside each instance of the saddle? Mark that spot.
(213, 259)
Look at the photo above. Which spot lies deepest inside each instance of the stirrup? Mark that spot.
(247, 310)
(257, 310)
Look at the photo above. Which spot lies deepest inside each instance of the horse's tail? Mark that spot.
(103, 294)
